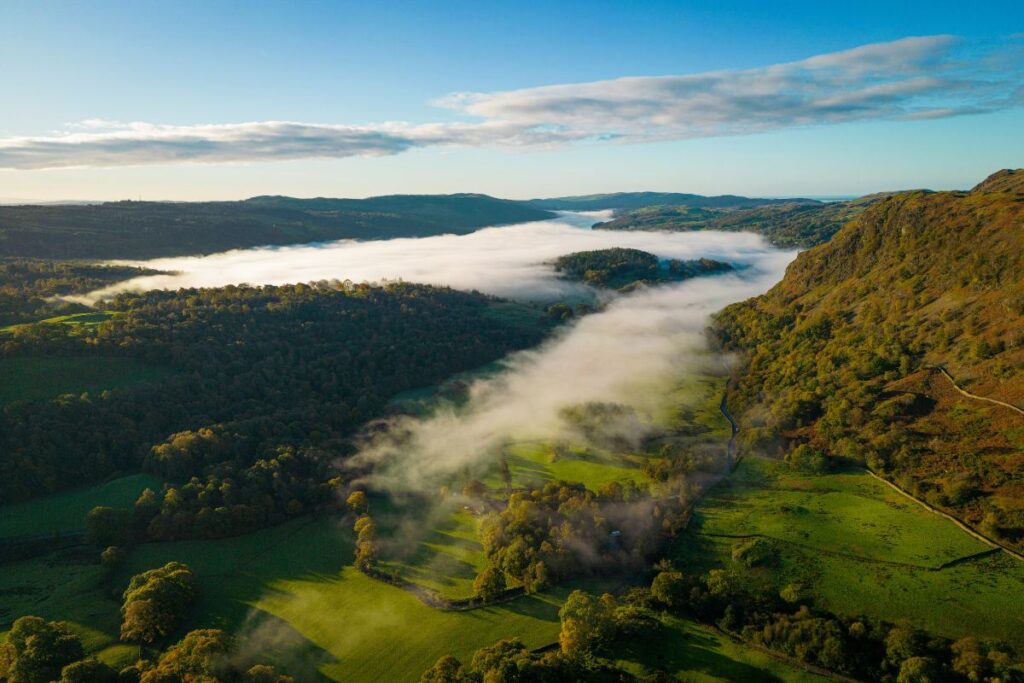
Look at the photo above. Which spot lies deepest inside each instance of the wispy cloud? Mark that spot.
(912, 78)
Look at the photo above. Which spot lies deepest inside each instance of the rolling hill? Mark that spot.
(139, 230)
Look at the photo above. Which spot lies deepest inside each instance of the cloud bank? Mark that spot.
(506, 261)
(911, 78)
(632, 354)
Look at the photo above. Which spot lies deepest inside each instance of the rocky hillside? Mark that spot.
(841, 356)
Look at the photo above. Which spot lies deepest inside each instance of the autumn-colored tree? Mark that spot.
(358, 502)
(157, 601)
(36, 650)
(366, 542)
(489, 583)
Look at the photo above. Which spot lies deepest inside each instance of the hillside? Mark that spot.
(139, 230)
(839, 356)
(789, 224)
(636, 200)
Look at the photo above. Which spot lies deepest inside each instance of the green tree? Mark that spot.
(669, 588)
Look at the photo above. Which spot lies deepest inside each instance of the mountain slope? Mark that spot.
(839, 356)
(138, 230)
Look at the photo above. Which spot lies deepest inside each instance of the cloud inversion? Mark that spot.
(910, 78)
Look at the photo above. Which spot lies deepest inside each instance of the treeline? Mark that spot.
(28, 286)
(785, 622)
(619, 268)
(270, 383)
(40, 651)
(140, 230)
(790, 224)
(840, 354)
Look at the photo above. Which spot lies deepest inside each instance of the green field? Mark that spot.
(88, 318)
(533, 463)
(859, 548)
(697, 653)
(32, 378)
(66, 511)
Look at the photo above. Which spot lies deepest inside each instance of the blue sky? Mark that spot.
(201, 80)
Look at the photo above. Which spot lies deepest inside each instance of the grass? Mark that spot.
(533, 463)
(444, 554)
(693, 652)
(87, 318)
(33, 378)
(66, 511)
(848, 513)
(859, 548)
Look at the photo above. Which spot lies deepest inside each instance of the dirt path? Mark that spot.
(968, 394)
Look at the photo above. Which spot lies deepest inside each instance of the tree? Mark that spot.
(112, 557)
(919, 670)
(358, 502)
(202, 655)
(105, 526)
(586, 622)
(36, 650)
(447, 669)
(88, 671)
(157, 601)
(366, 542)
(489, 583)
(670, 589)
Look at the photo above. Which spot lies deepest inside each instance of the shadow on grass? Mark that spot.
(691, 651)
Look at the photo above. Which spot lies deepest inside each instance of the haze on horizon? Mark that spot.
(120, 101)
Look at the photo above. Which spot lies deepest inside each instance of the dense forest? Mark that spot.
(265, 386)
(636, 200)
(29, 288)
(620, 268)
(847, 356)
(140, 230)
(790, 224)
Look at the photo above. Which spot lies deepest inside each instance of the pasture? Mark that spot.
(859, 548)
(694, 652)
(65, 511)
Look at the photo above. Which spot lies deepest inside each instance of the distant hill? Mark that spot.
(785, 224)
(137, 230)
(841, 355)
(636, 200)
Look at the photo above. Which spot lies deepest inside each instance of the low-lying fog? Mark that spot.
(632, 352)
(504, 261)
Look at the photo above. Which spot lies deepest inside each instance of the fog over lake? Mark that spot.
(509, 261)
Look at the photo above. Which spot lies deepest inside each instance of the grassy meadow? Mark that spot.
(66, 511)
(859, 548)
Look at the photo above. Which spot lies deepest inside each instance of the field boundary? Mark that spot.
(851, 556)
(959, 522)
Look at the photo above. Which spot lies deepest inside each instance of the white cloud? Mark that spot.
(911, 78)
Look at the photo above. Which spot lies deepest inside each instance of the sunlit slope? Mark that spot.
(840, 354)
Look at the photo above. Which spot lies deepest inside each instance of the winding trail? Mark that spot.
(968, 394)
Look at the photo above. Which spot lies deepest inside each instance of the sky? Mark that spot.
(224, 100)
